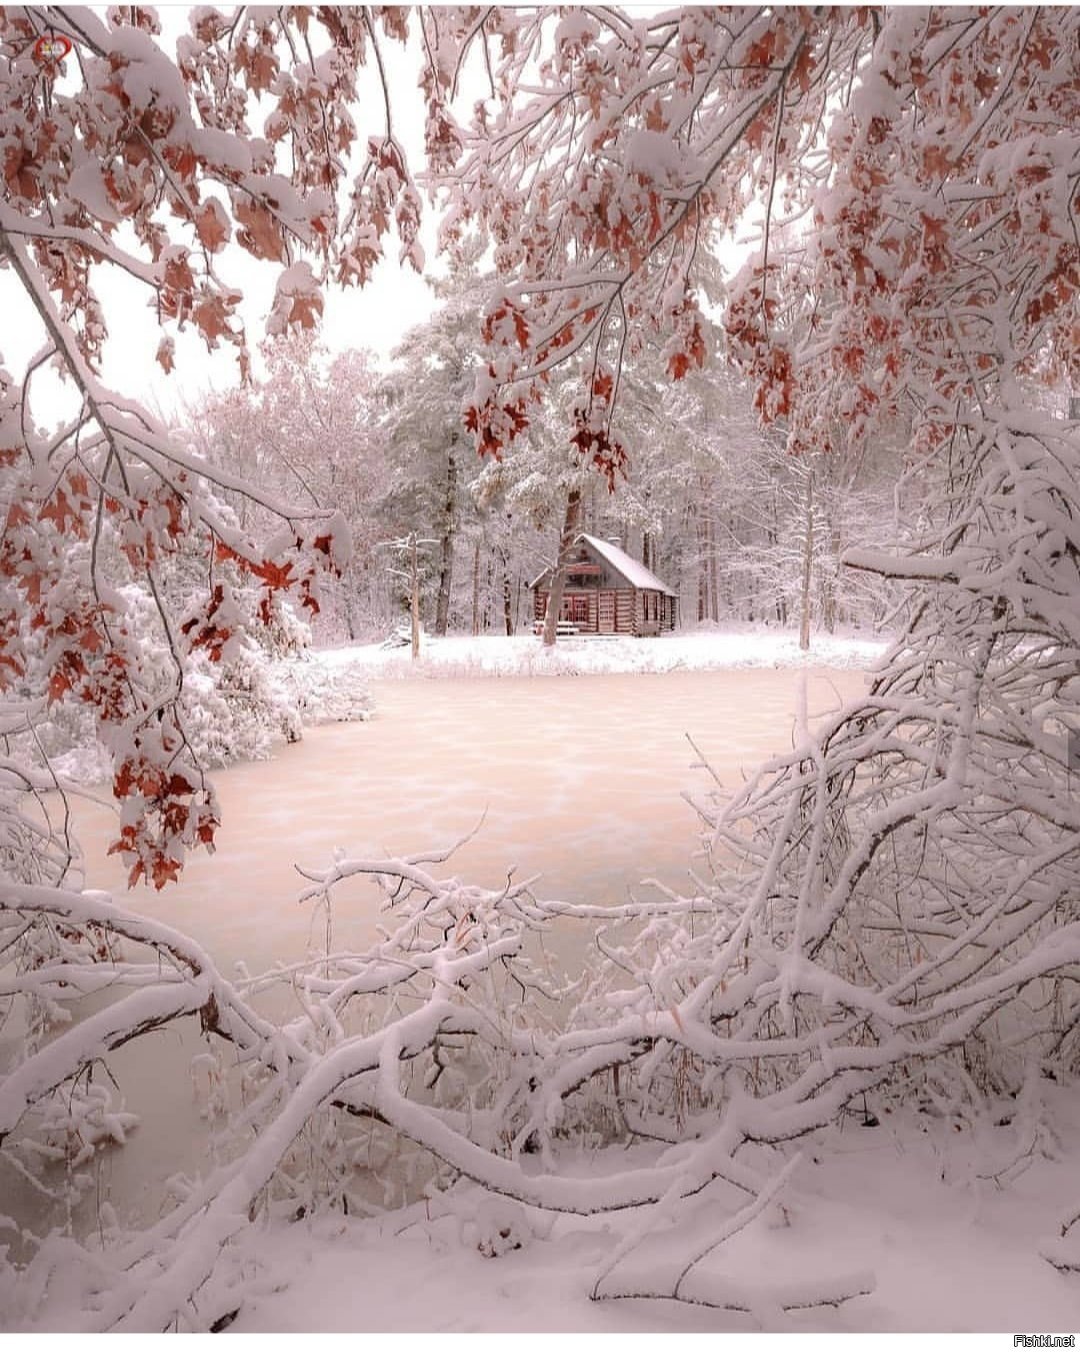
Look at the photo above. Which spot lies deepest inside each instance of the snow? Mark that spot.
(296, 283)
(222, 149)
(84, 765)
(923, 1222)
(87, 185)
(899, 1209)
(656, 157)
(587, 655)
(296, 691)
(898, 1204)
(634, 572)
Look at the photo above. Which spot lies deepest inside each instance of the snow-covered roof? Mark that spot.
(635, 573)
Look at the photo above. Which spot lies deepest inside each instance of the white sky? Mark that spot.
(376, 316)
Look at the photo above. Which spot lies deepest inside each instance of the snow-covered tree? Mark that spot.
(883, 897)
(432, 464)
(308, 429)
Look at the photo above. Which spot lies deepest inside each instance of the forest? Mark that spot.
(741, 530)
(782, 300)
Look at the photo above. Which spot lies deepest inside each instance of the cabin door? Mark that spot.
(606, 613)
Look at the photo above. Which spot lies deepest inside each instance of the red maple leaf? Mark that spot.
(212, 226)
(59, 685)
(178, 275)
(260, 235)
(90, 639)
(275, 576)
(174, 817)
(935, 231)
(60, 511)
(20, 172)
(212, 317)
(125, 843)
(17, 668)
(936, 161)
(306, 310)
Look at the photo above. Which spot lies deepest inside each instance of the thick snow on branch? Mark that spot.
(891, 904)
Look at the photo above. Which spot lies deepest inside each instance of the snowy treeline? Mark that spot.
(890, 907)
(743, 531)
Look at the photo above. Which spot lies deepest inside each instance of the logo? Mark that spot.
(51, 48)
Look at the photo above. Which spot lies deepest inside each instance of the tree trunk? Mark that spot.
(558, 578)
(708, 588)
(489, 574)
(831, 609)
(772, 535)
(508, 598)
(476, 589)
(714, 587)
(808, 563)
(446, 560)
(414, 607)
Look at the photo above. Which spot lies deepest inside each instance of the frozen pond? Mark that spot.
(578, 779)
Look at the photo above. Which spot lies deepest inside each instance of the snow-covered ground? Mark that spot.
(330, 685)
(945, 1221)
(909, 1208)
(524, 654)
(945, 1224)
(901, 1204)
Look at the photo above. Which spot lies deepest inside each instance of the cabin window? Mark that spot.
(576, 610)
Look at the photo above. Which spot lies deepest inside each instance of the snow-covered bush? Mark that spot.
(236, 713)
(321, 692)
(891, 905)
(259, 694)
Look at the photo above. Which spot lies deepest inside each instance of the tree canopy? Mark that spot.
(912, 174)
(883, 894)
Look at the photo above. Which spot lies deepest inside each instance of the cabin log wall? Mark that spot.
(598, 599)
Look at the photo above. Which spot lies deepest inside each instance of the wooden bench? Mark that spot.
(565, 629)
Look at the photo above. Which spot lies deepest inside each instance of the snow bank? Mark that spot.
(948, 1250)
(587, 655)
(250, 708)
(330, 685)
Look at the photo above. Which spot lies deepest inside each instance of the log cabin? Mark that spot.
(607, 592)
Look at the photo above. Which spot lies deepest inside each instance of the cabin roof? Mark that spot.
(635, 573)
